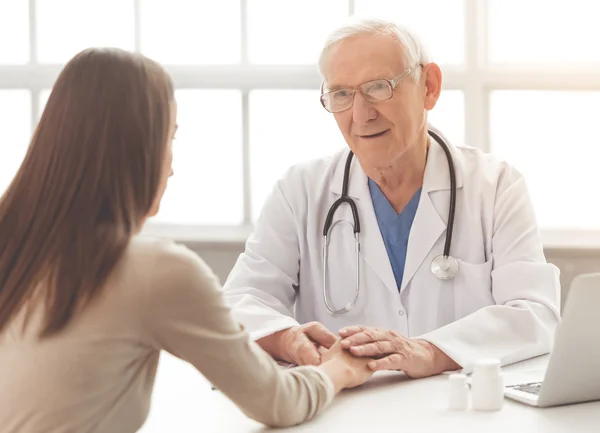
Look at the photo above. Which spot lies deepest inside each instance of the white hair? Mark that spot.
(412, 47)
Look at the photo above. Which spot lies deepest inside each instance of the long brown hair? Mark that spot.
(88, 180)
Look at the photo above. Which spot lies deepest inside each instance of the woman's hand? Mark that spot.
(345, 369)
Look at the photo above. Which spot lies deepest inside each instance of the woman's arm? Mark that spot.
(185, 314)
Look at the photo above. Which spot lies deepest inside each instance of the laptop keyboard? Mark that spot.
(532, 388)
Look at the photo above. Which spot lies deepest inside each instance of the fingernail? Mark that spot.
(372, 365)
(345, 343)
(342, 331)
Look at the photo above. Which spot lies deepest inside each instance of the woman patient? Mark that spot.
(85, 305)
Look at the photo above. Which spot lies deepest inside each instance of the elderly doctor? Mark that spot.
(414, 310)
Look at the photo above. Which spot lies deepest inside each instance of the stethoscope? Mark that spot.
(443, 266)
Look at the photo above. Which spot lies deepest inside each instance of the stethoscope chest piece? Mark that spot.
(444, 267)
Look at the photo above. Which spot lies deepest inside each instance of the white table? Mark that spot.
(390, 402)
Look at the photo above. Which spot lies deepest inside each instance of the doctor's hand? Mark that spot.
(390, 351)
(301, 345)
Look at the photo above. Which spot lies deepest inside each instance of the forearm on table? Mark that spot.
(508, 333)
(270, 395)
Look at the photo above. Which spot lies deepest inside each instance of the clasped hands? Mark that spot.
(311, 344)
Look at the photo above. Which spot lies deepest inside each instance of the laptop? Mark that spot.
(573, 372)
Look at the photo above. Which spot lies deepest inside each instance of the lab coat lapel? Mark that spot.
(372, 246)
(426, 229)
(432, 213)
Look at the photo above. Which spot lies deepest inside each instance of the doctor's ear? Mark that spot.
(432, 75)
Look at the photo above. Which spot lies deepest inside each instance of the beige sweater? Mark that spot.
(98, 375)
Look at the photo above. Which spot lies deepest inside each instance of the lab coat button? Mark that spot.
(401, 312)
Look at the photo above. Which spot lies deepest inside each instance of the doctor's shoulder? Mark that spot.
(485, 168)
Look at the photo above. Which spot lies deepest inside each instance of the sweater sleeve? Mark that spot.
(185, 314)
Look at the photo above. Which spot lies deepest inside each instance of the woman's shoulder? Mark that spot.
(159, 259)
(172, 278)
(148, 247)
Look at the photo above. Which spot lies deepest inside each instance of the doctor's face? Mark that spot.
(380, 132)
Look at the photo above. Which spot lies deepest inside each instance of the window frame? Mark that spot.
(476, 78)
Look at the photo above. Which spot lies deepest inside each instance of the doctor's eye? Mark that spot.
(342, 94)
(377, 85)
(379, 89)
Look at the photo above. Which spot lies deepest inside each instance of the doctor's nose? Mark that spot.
(362, 110)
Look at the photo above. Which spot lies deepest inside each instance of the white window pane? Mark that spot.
(438, 23)
(65, 27)
(448, 115)
(191, 31)
(44, 95)
(14, 31)
(284, 32)
(547, 135)
(541, 31)
(286, 127)
(15, 124)
(207, 159)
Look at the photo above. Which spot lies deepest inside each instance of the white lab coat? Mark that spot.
(503, 303)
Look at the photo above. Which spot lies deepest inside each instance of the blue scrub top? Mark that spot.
(394, 227)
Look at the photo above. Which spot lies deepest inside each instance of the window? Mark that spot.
(172, 31)
(566, 33)
(61, 35)
(289, 21)
(43, 98)
(448, 115)
(207, 160)
(14, 29)
(559, 163)
(442, 32)
(15, 124)
(248, 86)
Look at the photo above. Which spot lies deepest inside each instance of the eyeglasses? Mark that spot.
(373, 91)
